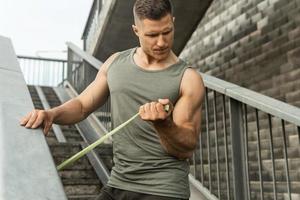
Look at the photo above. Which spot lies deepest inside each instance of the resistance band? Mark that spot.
(99, 141)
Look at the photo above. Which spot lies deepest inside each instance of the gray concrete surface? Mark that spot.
(27, 170)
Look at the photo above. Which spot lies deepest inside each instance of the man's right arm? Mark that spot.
(75, 109)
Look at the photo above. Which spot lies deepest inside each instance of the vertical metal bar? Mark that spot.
(30, 73)
(286, 160)
(216, 143)
(259, 156)
(194, 163)
(238, 149)
(226, 149)
(52, 73)
(298, 133)
(39, 75)
(208, 138)
(272, 157)
(69, 66)
(246, 150)
(63, 73)
(201, 157)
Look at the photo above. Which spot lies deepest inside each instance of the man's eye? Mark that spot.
(166, 33)
(152, 36)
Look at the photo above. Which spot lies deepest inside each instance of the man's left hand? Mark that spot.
(155, 111)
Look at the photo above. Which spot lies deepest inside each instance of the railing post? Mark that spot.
(69, 66)
(238, 150)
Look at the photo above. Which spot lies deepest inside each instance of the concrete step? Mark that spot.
(81, 181)
(77, 174)
(65, 149)
(81, 197)
(71, 136)
(79, 190)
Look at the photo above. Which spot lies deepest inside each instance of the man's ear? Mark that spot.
(135, 29)
(173, 19)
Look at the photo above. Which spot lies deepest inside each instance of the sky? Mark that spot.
(42, 27)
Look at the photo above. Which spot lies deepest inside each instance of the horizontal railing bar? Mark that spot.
(41, 59)
(85, 56)
(261, 102)
(203, 190)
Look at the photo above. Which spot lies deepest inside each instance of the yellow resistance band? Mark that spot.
(99, 141)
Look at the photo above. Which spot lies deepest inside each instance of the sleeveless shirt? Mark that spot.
(140, 162)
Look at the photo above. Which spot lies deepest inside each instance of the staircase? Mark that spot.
(80, 180)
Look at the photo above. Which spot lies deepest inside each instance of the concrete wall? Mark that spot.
(253, 43)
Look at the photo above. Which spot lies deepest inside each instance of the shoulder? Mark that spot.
(116, 56)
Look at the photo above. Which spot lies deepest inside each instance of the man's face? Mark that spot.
(156, 36)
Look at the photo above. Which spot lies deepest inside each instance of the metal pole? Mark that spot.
(259, 156)
(226, 149)
(208, 140)
(272, 157)
(238, 150)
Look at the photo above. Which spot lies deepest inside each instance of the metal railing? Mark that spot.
(43, 71)
(82, 70)
(247, 139)
(98, 18)
(246, 147)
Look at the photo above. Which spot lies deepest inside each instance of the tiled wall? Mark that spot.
(253, 43)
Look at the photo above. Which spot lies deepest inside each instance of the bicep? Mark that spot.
(187, 111)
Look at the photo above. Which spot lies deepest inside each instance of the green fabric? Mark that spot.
(141, 163)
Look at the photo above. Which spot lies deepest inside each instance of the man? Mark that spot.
(150, 153)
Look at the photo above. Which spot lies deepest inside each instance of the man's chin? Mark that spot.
(161, 55)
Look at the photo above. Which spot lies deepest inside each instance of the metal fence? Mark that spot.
(249, 145)
(43, 71)
(82, 70)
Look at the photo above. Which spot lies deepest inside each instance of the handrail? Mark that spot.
(85, 56)
(41, 58)
(81, 62)
(238, 118)
(26, 165)
(264, 103)
(42, 71)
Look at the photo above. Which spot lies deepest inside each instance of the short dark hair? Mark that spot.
(152, 9)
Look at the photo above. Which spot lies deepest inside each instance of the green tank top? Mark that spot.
(140, 162)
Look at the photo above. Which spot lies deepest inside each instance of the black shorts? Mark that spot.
(109, 193)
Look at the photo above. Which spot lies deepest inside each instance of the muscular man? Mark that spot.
(150, 153)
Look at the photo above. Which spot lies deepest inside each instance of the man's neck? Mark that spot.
(148, 62)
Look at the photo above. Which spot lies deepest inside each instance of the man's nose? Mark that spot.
(161, 41)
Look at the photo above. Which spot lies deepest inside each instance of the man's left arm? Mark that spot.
(179, 130)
